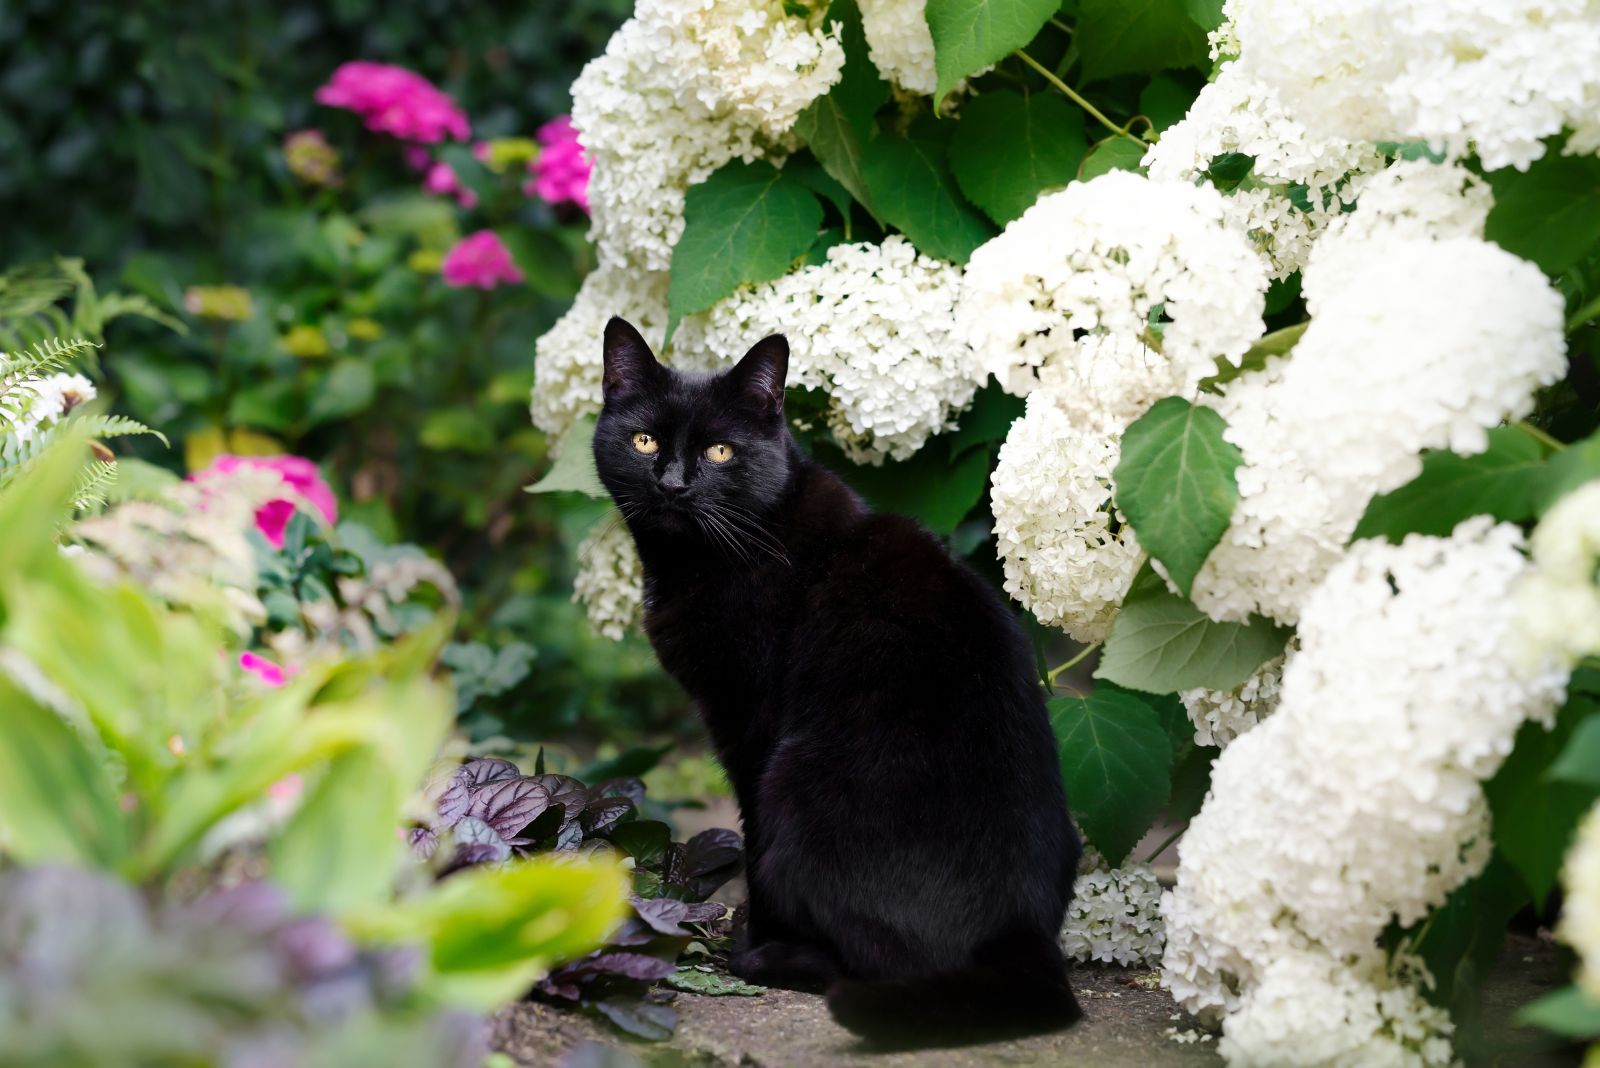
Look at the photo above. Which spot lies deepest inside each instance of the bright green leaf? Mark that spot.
(1579, 762)
(988, 420)
(574, 468)
(1116, 762)
(1138, 37)
(1165, 101)
(345, 390)
(1503, 481)
(1175, 483)
(1115, 153)
(1567, 470)
(745, 223)
(1207, 14)
(1160, 643)
(836, 125)
(969, 35)
(714, 984)
(1008, 149)
(461, 428)
(911, 184)
(1566, 1012)
(1550, 213)
(645, 840)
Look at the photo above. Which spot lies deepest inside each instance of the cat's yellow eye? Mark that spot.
(720, 453)
(645, 443)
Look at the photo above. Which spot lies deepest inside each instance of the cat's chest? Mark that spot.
(718, 637)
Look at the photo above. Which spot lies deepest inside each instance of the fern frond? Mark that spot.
(115, 426)
(45, 357)
(94, 481)
(117, 305)
(29, 289)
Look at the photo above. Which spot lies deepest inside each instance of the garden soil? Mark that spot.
(1129, 1023)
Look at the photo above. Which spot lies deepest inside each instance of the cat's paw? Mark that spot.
(783, 965)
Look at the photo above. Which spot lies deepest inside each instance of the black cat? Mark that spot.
(873, 701)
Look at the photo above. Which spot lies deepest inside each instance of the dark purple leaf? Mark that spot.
(604, 813)
(662, 914)
(631, 965)
(558, 985)
(509, 805)
(643, 1019)
(314, 948)
(479, 853)
(569, 838)
(454, 802)
(702, 912)
(423, 841)
(633, 932)
(549, 822)
(632, 789)
(565, 791)
(710, 850)
(481, 770)
(253, 906)
(479, 843)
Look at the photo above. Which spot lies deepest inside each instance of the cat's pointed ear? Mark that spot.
(629, 363)
(759, 376)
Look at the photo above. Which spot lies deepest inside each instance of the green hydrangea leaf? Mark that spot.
(1116, 761)
(1008, 149)
(1138, 37)
(969, 35)
(911, 184)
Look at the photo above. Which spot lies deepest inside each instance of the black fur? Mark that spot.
(873, 701)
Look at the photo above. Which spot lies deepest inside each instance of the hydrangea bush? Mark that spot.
(1254, 344)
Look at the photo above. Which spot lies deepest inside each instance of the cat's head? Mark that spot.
(691, 451)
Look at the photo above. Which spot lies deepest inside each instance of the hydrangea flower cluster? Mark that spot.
(296, 474)
(1580, 909)
(684, 87)
(1492, 76)
(1102, 257)
(35, 404)
(1236, 113)
(395, 101)
(1358, 803)
(480, 260)
(610, 579)
(1220, 716)
(874, 327)
(1115, 915)
(1459, 332)
(441, 179)
(900, 44)
(561, 169)
(1560, 601)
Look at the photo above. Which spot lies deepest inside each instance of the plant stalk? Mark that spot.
(1077, 98)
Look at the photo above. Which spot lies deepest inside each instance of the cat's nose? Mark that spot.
(672, 483)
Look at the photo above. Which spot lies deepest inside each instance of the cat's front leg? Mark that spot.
(786, 965)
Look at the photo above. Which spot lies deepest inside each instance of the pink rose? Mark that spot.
(395, 101)
(481, 260)
(263, 669)
(298, 473)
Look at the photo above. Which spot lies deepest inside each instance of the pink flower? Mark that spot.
(561, 171)
(441, 180)
(287, 788)
(263, 669)
(395, 101)
(298, 473)
(481, 260)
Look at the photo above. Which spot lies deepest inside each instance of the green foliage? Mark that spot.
(574, 470)
(1160, 643)
(1506, 481)
(1567, 1012)
(1115, 153)
(748, 222)
(702, 979)
(1008, 149)
(911, 185)
(1116, 761)
(1138, 37)
(1534, 817)
(837, 125)
(1175, 483)
(969, 35)
(1550, 213)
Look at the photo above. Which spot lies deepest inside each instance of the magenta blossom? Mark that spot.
(561, 171)
(441, 180)
(395, 101)
(299, 475)
(481, 260)
(263, 669)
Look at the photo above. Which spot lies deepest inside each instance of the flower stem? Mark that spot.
(1589, 311)
(1162, 848)
(1074, 662)
(1543, 438)
(1077, 98)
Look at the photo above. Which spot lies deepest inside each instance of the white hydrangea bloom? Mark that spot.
(1427, 345)
(1359, 802)
(34, 404)
(568, 358)
(1237, 113)
(1309, 1009)
(684, 87)
(1580, 909)
(610, 579)
(1069, 556)
(873, 326)
(1220, 716)
(1492, 76)
(1560, 601)
(1100, 257)
(1115, 914)
(900, 44)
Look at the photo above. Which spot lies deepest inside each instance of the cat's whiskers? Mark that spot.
(736, 521)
